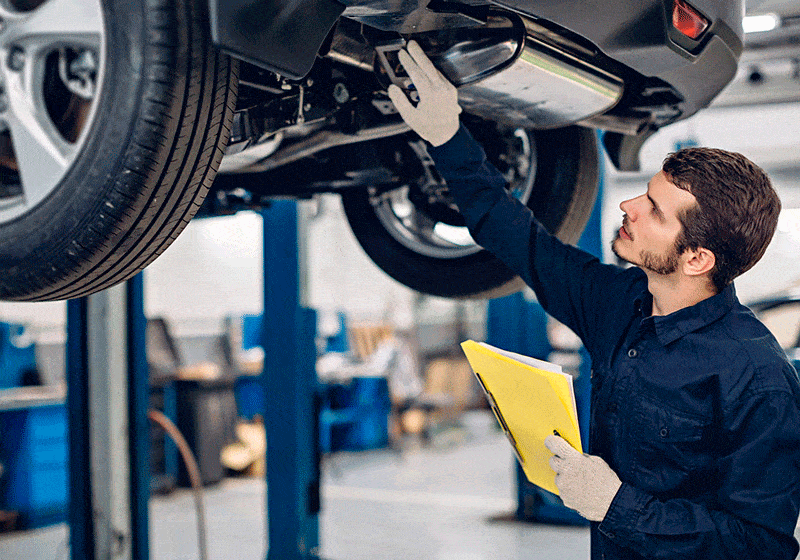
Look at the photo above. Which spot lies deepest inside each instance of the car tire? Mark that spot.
(565, 165)
(150, 135)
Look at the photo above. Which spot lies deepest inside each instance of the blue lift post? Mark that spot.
(289, 379)
(81, 526)
(290, 415)
(87, 531)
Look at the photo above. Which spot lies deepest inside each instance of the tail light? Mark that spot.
(688, 20)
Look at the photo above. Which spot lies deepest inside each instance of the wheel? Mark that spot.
(113, 118)
(414, 233)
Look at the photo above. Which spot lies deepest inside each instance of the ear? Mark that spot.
(698, 261)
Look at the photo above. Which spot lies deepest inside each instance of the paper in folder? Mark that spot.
(531, 399)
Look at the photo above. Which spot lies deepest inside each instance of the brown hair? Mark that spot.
(736, 212)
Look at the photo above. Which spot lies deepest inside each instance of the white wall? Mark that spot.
(212, 270)
(341, 276)
(45, 321)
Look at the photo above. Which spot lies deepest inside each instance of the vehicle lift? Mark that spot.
(108, 399)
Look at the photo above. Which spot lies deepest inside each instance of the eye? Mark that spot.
(654, 209)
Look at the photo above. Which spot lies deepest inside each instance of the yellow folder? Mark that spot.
(531, 399)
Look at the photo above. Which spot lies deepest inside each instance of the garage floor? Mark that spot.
(432, 502)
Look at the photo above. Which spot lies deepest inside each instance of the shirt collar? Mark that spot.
(670, 328)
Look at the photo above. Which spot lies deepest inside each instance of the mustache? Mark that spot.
(625, 225)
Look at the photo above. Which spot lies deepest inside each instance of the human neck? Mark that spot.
(672, 293)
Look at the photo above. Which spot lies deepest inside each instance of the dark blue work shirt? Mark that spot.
(698, 412)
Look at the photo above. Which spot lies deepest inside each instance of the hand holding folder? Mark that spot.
(531, 399)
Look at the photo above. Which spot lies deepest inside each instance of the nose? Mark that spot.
(629, 207)
(626, 206)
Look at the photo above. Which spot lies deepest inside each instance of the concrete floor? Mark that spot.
(437, 501)
(432, 502)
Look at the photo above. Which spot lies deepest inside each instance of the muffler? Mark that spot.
(512, 72)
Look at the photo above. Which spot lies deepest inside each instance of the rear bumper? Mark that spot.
(639, 35)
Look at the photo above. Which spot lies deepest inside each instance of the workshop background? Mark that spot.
(412, 462)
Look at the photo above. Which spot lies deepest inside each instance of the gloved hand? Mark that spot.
(435, 118)
(585, 482)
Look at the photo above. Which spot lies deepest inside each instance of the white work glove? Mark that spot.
(435, 118)
(585, 482)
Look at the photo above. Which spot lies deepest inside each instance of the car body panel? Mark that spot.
(282, 36)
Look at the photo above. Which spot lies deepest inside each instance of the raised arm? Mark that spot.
(568, 282)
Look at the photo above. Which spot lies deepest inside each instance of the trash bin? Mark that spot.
(206, 416)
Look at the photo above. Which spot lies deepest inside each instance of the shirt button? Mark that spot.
(664, 432)
(632, 353)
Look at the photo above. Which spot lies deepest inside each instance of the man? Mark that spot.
(695, 436)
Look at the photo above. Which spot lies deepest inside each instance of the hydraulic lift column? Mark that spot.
(289, 377)
(107, 399)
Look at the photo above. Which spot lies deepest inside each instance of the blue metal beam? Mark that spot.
(81, 523)
(139, 426)
(289, 379)
(83, 529)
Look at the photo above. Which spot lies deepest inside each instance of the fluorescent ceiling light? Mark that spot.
(760, 23)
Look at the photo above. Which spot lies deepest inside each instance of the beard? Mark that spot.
(664, 263)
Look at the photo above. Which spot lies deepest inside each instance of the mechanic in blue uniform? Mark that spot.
(695, 435)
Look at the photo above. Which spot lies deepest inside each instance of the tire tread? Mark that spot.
(175, 150)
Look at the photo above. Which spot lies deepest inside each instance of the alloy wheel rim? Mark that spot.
(52, 55)
(424, 234)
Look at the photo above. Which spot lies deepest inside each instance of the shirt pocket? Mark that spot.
(670, 446)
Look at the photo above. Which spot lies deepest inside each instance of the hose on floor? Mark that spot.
(194, 474)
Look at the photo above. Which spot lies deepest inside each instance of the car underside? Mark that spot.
(291, 98)
(518, 75)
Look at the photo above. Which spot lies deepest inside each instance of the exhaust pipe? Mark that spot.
(252, 160)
